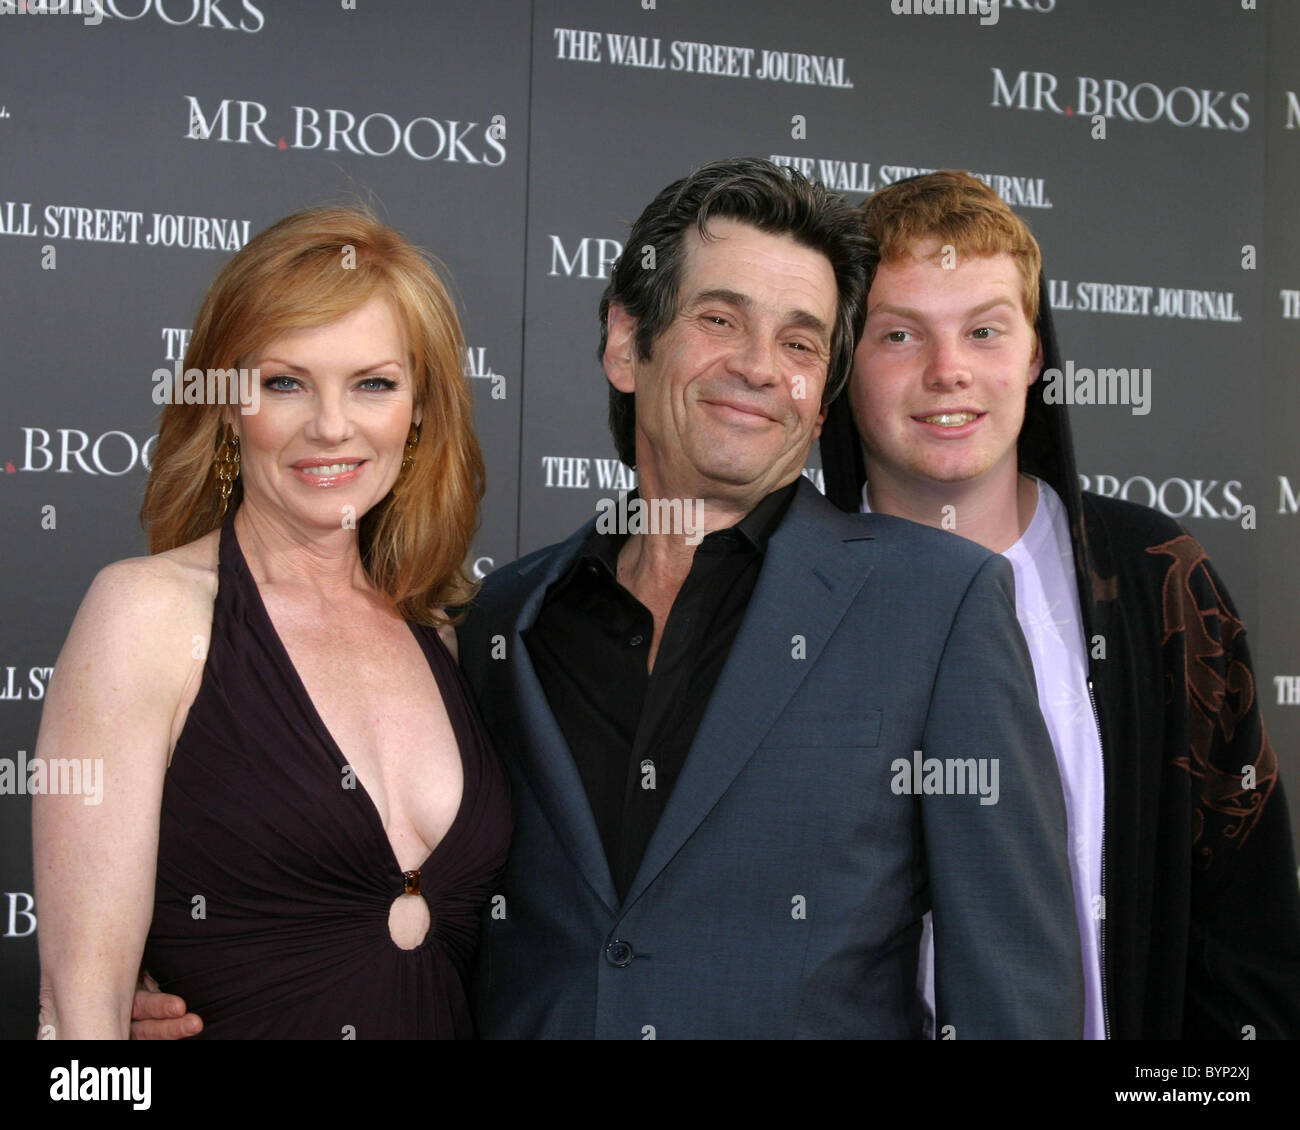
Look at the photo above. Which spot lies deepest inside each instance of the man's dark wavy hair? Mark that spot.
(753, 191)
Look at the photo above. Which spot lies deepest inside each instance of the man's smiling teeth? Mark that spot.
(331, 469)
(950, 419)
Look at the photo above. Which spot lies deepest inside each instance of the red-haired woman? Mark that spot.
(301, 816)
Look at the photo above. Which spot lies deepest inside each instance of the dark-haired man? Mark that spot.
(725, 754)
(1184, 872)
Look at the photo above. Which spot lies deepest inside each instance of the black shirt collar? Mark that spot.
(755, 529)
(761, 523)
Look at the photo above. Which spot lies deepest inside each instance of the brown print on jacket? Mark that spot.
(1220, 692)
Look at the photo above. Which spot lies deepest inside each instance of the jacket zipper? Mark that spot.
(1101, 944)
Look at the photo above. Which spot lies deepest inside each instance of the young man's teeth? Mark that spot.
(332, 469)
(950, 419)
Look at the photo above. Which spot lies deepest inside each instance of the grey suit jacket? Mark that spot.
(783, 890)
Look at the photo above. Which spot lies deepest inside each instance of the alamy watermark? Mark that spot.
(53, 776)
(90, 11)
(987, 10)
(681, 516)
(949, 776)
(211, 386)
(76, 1083)
(1098, 386)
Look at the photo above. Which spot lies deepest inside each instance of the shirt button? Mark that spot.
(619, 953)
(636, 640)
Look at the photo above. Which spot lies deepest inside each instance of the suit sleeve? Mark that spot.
(1007, 956)
(1243, 975)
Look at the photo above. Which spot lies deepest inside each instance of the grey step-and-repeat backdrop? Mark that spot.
(1154, 149)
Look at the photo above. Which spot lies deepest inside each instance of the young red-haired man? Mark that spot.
(1181, 852)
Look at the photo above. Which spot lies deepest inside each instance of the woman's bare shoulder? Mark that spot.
(158, 596)
(133, 654)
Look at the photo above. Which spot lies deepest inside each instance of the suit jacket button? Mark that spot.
(619, 953)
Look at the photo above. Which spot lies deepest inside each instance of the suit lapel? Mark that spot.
(538, 741)
(814, 566)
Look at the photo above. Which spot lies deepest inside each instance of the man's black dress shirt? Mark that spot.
(630, 730)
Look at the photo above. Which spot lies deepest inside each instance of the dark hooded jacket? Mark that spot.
(1201, 930)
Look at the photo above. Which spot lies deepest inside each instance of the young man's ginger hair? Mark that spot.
(960, 212)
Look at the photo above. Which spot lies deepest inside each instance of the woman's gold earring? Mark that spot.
(226, 467)
(412, 442)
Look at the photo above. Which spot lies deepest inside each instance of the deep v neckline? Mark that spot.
(240, 563)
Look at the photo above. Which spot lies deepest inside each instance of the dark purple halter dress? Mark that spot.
(275, 880)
